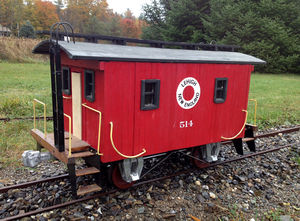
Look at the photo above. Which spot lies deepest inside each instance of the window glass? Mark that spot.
(150, 94)
(66, 81)
(89, 85)
(220, 90)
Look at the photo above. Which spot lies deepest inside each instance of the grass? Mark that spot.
(19, 84)
(19, 50)
(278, 99)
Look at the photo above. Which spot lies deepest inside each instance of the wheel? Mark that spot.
(117, 179)
(197, 153)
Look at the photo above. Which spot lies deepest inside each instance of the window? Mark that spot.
(89, 85)
(66, 80)
(150, 94)
(220, 90)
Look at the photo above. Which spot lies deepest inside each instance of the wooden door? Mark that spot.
(76, 105)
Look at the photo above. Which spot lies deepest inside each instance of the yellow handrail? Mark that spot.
(231, 138)
(70, 134)
(99, 128)
(64, 97)
(34, 121)
(112, 143)
(255, 108)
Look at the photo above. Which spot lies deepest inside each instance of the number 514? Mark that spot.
(184, 124)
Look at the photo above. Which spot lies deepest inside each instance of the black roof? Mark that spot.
(110, 52)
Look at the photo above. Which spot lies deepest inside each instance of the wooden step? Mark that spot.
(82, 154)
(87, 171)
(77, 144)
(246, 139)
(88, 189)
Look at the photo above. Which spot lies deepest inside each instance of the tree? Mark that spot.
(114, 25)
(11, 13)
(27, 30)
(154, 14)
(175, 20)
(59, 6)
(79, 13)
(268, 29)
(95, 26)
(129, 27)
(45, 14)
(184, 20)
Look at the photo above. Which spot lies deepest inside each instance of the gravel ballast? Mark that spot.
(265, 187)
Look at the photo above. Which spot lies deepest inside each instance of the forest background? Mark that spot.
(268, 29)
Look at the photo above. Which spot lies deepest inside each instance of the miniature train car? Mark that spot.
(129, 102)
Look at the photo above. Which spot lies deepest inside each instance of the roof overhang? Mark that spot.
(109, 52)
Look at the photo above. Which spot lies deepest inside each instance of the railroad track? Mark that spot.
(24, 118)
(72, 202)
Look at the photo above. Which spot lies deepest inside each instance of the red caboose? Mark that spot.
(129, 103)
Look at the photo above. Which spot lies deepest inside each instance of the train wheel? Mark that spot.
(197, 153)
(117, 179)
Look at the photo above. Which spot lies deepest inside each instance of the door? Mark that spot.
(76, 104)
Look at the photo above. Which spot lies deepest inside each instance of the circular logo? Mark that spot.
(188, 93)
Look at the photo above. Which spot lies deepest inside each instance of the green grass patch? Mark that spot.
(20, 84)
(278, 99)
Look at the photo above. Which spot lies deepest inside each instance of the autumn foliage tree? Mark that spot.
(45, 14)
(86, 16)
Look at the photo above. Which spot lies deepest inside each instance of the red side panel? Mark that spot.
(90, 119)
(160, 131)
(170, 127)
(119, 109)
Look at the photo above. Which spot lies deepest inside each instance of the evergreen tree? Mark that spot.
(175, 20)
(154, 14)
(268, 29)
(27, 30)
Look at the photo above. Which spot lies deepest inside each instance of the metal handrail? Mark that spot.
(64, 97)
(34, 120)
(255, 108)
(99, 128)
(231, 138)
(113, 145)
(70, 134)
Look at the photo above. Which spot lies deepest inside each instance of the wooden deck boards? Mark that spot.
(48, 143)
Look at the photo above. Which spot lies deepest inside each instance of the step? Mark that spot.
(82, 154)
(88, 189)
(87, 171)
(246, 139)
(77, 144)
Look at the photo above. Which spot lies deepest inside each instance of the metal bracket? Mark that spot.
(210, 152)
(131, 169)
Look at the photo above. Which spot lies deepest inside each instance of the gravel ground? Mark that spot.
(265, 187)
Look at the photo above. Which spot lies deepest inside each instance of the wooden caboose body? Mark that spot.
(129, 101)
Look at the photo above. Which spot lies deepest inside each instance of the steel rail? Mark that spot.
(42, 210)
(64, 176)
(216, 164)
(57, 206)
(27, 184)
(283, 131)
(24, 118)
(271, 134)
